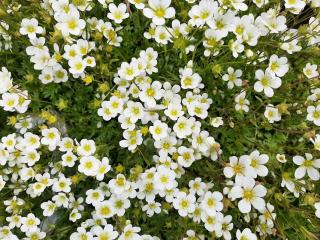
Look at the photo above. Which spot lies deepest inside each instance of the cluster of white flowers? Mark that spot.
(170, 116)
(12, 98)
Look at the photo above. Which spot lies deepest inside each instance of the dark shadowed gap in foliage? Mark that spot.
(296, 20)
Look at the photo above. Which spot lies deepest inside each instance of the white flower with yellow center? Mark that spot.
(159, 10)
(77, 65)
(94, 196)
(29, 223)
(48, 208)
(89, 165)
(104, 209)
(51, 137)
(71, 23)
(183, 127)
(307, 165)
(68, 159)
(159, 130)
(251, 194)
(62, 184)
(186, 156)
(212, 203)
(86, 148)
(314, 114)
(310, 70)
(272, 114)
(164, 178)
(278, 66)
(30, 27)
(189, 80)
(119, 184)
(106, 233)
(184, 203)
(118, 13)
(9, 101)
(246, 234)
(267, 82)
(240, 168)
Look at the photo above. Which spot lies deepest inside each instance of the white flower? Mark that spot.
(189, 80)
(120, 203)
(267, 82)
(310, 70)
(151, 208)
(240, 168)
(89, 165)
(77, 65)
(118, 13)
(162, 35)
(150, 93)
(86, 148)
(5, 80)
(272, 114)
(236, 47)
(246, 234)
(62, 184)
(159, 10)
(212, 203)
(174, 111)
(184, 203)
(164, 178)
(183, 127)
(295, 5)
(68, 159)
(242, 104)
(132, 139)
(307, 165)
(94, 196)
(216, 122)
(48, 208)
(186, 156)
(197, 186)
(119, 185)
(203, 12)
(251, 194)
(105, 233)
(74, 215)
(233, 77)
(278, 66)
(281, 158)
(267, 215)
(213, 223)
(29, 223)
(104, 167)
(314, 114)
(227, 226)
(30, 27)
(104, 209)
(139, 4)
(71, 23)
(274, 23)
(257, 163)
(9, 101)
(130, 233)
(51, 137)
(159, 130)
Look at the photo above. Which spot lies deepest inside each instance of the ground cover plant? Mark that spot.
(159, 119)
